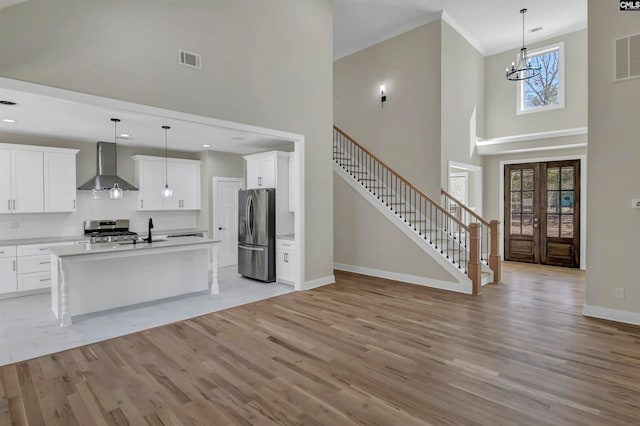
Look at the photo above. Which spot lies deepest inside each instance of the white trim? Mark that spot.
(611, 314)
(446, 17)
(540, 148)
(534, 136)
(478, 182)
(583, 199)
(404, 278)
(299, 216)
(50, 149)
(309, 285)
(111, 103)
(173, 160)
(463, 280)
(520, 110)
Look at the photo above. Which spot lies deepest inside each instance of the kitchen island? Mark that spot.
(88, 278)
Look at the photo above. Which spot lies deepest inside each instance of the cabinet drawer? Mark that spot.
(285, 244)
(7, 251)
(34, 281)
(27, 265)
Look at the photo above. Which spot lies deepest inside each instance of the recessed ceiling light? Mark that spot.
(124, 135)
(5, 102)
(238, 138)
(9, 120)
(206, 146)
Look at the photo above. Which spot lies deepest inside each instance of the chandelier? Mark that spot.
(523, 69)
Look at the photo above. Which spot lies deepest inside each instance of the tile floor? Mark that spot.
(28, 328)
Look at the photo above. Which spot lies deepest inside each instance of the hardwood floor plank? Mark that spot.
(363, 351)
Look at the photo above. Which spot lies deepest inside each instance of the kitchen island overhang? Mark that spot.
(88, 278)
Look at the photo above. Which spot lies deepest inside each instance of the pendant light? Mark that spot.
(116, 192)
(166, 191)
(523, 69)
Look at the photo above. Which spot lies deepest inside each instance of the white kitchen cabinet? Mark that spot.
(293, 182)
(8, 277)
(26, 188)
(286, 261)
(60, 182)
(271, 170)
(5, 181)
(183, 177)
(261, 171)
(150, 181)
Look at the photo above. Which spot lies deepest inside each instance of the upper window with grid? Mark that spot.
(546, 90)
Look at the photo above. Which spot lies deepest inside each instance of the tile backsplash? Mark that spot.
(36, 225)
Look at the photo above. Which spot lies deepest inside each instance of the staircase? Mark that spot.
(462, 241)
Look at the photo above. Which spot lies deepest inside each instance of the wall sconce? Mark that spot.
(383, 97)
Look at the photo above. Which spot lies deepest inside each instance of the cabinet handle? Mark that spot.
(14, 204)
(9, 204)
(74, 204)
(2, 252)
(45, 279)
(45, 263)
(259, 181)
(141, 203)
(46, 248)
(14, 266)
(286, 257)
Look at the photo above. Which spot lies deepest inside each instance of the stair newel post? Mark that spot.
(494, 256)
(475, 269)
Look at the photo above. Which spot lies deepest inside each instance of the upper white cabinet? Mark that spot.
(271, 170)
(37, 179)
(183, 177)
(59, 182)
(261, 171)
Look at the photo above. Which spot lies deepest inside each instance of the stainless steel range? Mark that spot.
(106, 231)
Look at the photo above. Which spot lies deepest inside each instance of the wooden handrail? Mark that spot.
(465, 208)
(422, 194)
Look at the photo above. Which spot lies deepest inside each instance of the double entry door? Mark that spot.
(542, 213)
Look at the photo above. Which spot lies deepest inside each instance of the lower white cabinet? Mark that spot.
(26, 267)
(286, 261)
(8, 278)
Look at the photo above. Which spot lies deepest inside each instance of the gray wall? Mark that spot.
(405, 134)
(500, 110)
(613, 176)
(463, 100)
(365, 238)
(265, 62)
(221, 164)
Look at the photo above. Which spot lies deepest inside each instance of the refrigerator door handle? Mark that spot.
(251, 248)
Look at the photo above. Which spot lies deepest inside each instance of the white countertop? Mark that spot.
(43, 240)
(105, 248)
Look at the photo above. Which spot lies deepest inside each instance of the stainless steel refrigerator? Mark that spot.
(257, 234)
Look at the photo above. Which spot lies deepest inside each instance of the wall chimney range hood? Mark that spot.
(106, 177)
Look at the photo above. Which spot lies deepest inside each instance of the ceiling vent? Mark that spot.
(189, 59)
(628, 57)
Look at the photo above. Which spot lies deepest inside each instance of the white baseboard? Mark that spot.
(411, 279)
(612, 314)
(331, 279)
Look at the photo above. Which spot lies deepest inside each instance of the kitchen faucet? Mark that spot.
(149, 239)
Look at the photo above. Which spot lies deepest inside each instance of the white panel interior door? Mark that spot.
(226, 219)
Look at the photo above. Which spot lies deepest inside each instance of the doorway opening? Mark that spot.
(542, 212)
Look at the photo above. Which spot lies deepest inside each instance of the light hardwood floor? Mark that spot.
(362, 351)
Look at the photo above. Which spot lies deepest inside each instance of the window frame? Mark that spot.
(520, 87)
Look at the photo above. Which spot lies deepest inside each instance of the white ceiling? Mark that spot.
(492, 26)
(41, 115)
(7, 3)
